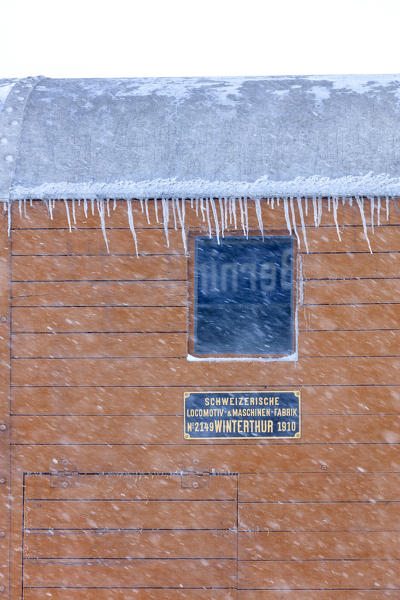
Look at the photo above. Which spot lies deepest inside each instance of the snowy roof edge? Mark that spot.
(369, 185)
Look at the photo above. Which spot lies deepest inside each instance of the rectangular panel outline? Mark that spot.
(178, 474)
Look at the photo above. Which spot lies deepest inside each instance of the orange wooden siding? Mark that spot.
(109, 502)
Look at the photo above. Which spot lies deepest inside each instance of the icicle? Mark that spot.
(329, 204)
(9, 216)
(215, 215)
(85, 207)
(259, 217)
(246, 214)
(132, 224)
(156, 209)
(174, 213)
(294, 221)
(287, 217)
(50, 207)
(100, 208)
(146, 204)
(272, 203)
(314, 201)
(30, 202)
(197, 207)
(208, 219)
(141, 205)
(387, 208)
(191, 202)
(183, 225)
(379, 211)
(242, 220)
(20, 208)
(306, 206)
(73, 212)
(226, 212)
(335, 209)
(372, 201)
(234, 213)
(92, 204)
(181, 216)
(221, 211)
(360, 203)
(303, 226)
(175, 203)
(114, 204)
(68, 216)
(165, 209)
(108, 207)
(202, 209)
(300, 279)
(319, 211)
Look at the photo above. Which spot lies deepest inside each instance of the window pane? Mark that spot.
(244, 295)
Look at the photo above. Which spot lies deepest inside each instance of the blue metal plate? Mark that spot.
(242, 415)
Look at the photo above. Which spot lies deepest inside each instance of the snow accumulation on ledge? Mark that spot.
(221, 214)
(305, 187)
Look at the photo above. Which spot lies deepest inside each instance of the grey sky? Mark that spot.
(131, 38)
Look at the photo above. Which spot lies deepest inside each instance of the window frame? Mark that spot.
(191, 274)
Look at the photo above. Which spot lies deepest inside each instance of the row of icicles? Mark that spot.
(225, 213)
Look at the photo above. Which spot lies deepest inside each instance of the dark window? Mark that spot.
(243, 296)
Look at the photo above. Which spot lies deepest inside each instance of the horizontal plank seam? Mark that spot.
(216, 558)
(179, 415)
(132, 254)
(136, 280)
(269, 502)
(126, 305)
(200, 386)
(152, 474)
(172, 228)
(96, 331)
(148, 558)
(269, 531)
(159, 356)
(197, 442)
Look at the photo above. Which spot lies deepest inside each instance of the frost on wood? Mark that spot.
(222, 214)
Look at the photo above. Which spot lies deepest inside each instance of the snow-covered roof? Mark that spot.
(200, 137)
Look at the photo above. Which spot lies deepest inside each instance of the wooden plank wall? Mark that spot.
(99, 368)
(5, 454)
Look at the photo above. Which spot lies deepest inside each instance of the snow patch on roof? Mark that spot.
(358, 84)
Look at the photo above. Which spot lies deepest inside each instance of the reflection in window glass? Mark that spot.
(244, 296)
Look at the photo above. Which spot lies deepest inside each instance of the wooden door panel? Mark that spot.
(121, 531)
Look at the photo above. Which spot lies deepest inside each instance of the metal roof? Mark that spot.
(200, 137)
